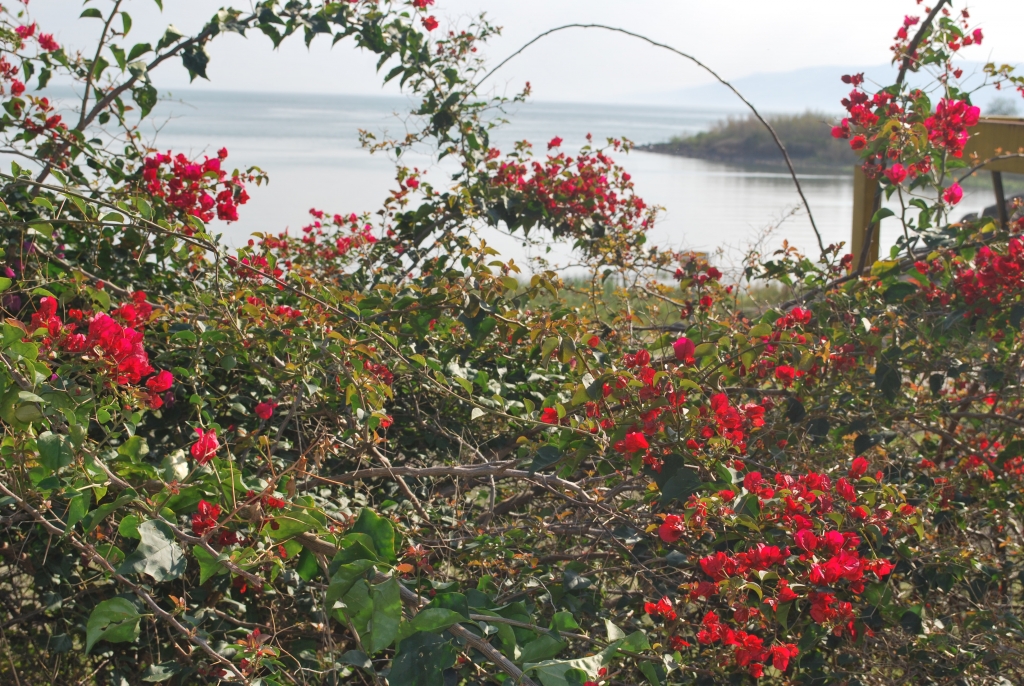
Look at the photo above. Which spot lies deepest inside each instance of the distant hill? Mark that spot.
(816, 89)
(745, 141)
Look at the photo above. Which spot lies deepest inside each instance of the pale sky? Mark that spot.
(737, 38)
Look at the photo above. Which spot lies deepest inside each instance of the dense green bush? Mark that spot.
(375, 451)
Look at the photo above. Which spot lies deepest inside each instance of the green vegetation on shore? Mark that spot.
(746, 141)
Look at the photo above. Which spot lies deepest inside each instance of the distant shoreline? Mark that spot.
(746, 142)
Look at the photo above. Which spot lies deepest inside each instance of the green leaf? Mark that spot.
(435, 619)
(881, 214)
(158, 555)
(55, 452)
(307, 567)
(680, 486)
(387, 614)
(138, 51)
(650, 670)
(161, 672)
(77, 508)
(544, 647)
(91, 13)
(293, 521)
(760, 331)
(135, 448)
(195, 58)
(344, 579)
(100, 513)
(898, 291)
(547, 455)
(553, 672)
(209, 565)
(357, 658)
(421, 660)
(380, 531)
(636, 642)
(354, 547)
(114, 620)
(456, 602)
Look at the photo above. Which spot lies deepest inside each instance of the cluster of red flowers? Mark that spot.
(824, 560)
(947, 128)
(206, 445)
(45, 40)
(192, 187)
(111, 339)
(662, 608)
(9, 73)
(994, 276)
(728, 421)
(337, 245)
(749, 650)
(265, 409)
(206, 518)
(576, 191)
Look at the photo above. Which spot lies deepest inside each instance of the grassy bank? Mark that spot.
(747, 142)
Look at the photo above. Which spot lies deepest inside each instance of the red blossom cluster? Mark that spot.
(728, 421)
(336, 245)
(206, 445)
(749, 649)
(662, 608)
(45, 40)
(994, 276)
(110, 340)
(9, 73)
(947, 128)
(200, 189)
(205, 518)
(577, 191)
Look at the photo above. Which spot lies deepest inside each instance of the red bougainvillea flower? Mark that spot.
(663, 608)
(785, 374)
(429, 23)
(47, 43)
(549, 415)
(683, 348)
(206, 518)
(782, 654)
(897, 173)
(859, 468)
(265, 410)
(671, 530)
(205, 446)
(554, 142)
(633, 442)
(718, 566)
(953, 195)
(422, 4)
(161, 382)
(26, 31)
(858, 142)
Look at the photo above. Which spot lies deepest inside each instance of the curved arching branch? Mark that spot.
(709, 70)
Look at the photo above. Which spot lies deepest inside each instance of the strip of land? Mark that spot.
(745, 141)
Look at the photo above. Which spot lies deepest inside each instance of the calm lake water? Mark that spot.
(309, 146)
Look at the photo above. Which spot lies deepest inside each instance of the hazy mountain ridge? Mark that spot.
(816, 89)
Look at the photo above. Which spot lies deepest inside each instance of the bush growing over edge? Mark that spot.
(373, 452)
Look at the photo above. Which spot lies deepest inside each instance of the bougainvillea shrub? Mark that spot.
(373, 451)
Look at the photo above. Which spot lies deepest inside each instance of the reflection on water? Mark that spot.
(309, 145)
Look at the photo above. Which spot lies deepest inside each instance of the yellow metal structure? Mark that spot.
(990, 138)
